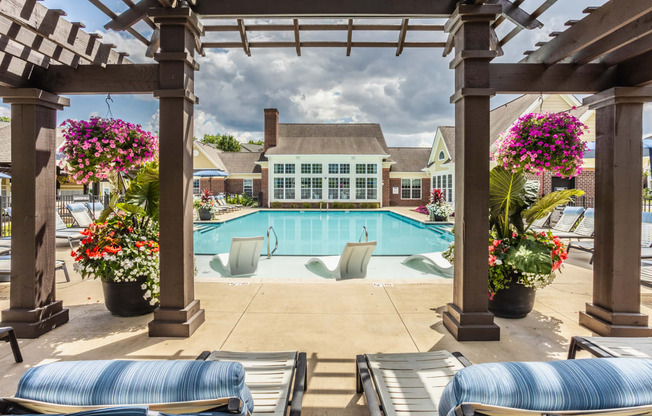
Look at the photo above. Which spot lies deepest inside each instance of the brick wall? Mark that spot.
(395, 200)
(216, 185)
(387, 189)
(233, 186)
(271, 128)
(586, 182)
(263, 187)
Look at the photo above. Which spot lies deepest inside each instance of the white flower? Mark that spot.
(143, 286)
(152, 302)
(498, 262)
(148, 294)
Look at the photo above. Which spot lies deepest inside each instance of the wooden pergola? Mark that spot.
(607, 54)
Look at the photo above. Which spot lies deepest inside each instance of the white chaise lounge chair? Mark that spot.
(351, 264)
(5, 268)
(80, 213)
(584, 229)
(435, 260)
(569, 217)
(243, 258)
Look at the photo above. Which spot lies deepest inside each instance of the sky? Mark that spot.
(408, 95)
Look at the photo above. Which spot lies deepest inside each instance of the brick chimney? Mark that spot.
(271, 128)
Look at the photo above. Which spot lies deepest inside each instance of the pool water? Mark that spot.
(314, 233)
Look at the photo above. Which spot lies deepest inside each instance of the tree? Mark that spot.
(7, 119)
(258, 142)
(227, 143)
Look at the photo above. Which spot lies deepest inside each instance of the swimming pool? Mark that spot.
(314, 233)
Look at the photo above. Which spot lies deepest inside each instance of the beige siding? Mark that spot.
(202, 162)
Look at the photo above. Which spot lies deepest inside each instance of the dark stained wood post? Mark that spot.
(180, 313)
(467, 317)
(616, 306)
(33, 308)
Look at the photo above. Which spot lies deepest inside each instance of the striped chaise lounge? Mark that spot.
(445, 384)
(568, 219)
(216, 384)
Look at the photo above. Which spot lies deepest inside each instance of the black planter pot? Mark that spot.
(440, 218)
(126, 298)
(513, 303)
(205, 214)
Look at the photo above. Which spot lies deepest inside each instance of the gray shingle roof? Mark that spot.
(409, 159)
(241, 162)
(213, 153)
(325, 139)
(248, 147)
(448, 134)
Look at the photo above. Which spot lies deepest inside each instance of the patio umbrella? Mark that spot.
(4, 176)
(210, 174)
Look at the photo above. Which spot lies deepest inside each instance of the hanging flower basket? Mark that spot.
(538, 143)
(96, 148)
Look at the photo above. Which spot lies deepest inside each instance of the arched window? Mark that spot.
(441, 155)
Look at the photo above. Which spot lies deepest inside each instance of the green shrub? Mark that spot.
(364, 205)
(337, 205)
(244, 200)
(294, 206)
(276, 204)
(307, 205)
(350, 205)
(374, 205)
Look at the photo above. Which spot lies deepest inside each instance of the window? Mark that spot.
(284, 188)
(339, 188)
(445, 183)
(366, 188)
(333, 168)
(366, 168)
(410, 188)
(284, 168)
(441, 155)
(311, 188)
(195, 187)
(310, 168)
(248, 187)
(345, 168)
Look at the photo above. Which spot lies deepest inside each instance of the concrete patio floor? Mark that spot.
(331, 321)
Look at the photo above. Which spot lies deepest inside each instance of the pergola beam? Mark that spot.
(297, 37)
(13, 48)
(349, 37)
(107, 11)
(49, 24)
(14, 72)
(558, 78)
(636, 71)
(322, 44)
(94, 79)
(632, 32)
(516, 15)
(323, 27)
(401, 37)
(593, 28)
(325, 9)
(243, 37)
(629, 51)
(132, 15)
(538, 12)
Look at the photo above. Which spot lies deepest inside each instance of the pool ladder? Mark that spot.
(366, 235)
(269, 253)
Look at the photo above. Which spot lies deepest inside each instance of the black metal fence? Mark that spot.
(62, 200)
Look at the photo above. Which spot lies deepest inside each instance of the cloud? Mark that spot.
(5, 110)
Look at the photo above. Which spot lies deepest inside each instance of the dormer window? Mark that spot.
(441, 155)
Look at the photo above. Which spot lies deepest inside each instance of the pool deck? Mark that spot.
(330, 320)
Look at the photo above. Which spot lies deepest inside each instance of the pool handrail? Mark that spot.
(269, 254)
(366, 235)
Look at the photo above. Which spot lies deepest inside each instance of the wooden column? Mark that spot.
(33, 308)
(616, 306)
(467, 317)
(180, 313)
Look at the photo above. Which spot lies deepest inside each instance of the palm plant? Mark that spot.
(141, 196)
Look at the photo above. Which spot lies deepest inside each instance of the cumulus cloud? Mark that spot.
(5, 110)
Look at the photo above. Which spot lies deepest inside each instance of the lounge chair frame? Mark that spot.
(298, 382)
(7, 334)
(364, 383)
(592, 345)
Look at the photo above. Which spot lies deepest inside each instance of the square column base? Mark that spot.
(614, 324)
(32, 323)
(182, 323)
(478, 326)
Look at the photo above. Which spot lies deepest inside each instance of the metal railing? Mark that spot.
(364, 232)
(269, 254)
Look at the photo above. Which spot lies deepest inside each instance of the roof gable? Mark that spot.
(409, 159)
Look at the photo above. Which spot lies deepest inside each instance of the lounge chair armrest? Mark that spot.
(203, 356)
(299, 387)
(365, 385)
(462, 359)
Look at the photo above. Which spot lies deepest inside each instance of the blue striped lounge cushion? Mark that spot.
(133, 411)
(167, 386)
(589, 384)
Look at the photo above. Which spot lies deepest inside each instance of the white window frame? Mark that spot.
(449, 190)
(196, 186)
(314, 192)
(413, 185)
(441, 155)
(248, 183)
(287, 192)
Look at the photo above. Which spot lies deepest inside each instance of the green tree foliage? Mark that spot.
(7, 119)
(225, 142)
(258, 142)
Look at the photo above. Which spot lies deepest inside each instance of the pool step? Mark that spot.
(437, 230)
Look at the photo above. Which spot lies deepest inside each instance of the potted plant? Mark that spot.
(123, 252)
(438, 208)
(520, 259)
(205, 205)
